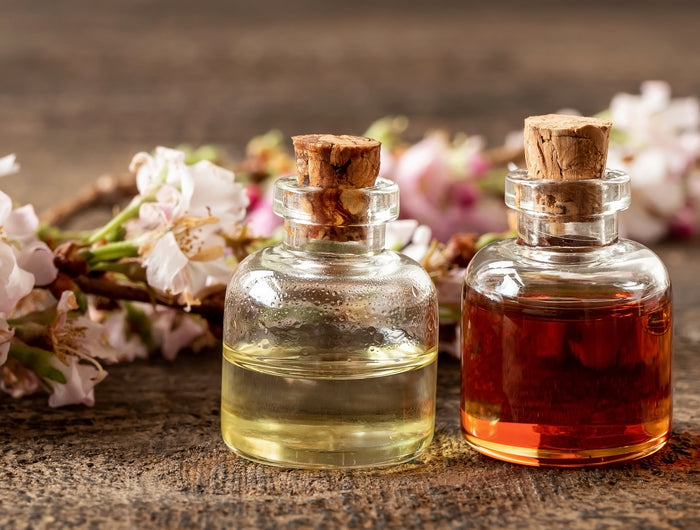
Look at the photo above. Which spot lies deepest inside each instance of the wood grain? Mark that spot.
(149, 455)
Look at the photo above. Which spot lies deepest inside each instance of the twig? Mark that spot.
(501, 156)
(211, 307)
(106, 191)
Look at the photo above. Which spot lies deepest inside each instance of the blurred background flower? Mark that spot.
(441, 184)
(656, 140)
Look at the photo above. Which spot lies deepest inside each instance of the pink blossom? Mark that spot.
(33, 255)
(173, 330)
(439, 187)
(262, 220)
(683, 223)
(18, 228)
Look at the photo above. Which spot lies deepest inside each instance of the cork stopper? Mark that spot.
(569, 151)
(330, 161)
(562, 147)
(340, 166)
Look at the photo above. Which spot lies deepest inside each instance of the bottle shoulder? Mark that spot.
(284, 298)
(623, 254)
(280, 270)
(623, 267)
(279, 260)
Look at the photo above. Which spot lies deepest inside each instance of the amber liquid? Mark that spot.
(566, 381)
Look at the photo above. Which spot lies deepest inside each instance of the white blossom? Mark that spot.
(126, 345)
(8, 165)
(173, 330)
(78, 335)
(77, 341)
(15, 282)
(408, 237)
(78, 389)
(185, 261)
(183, 227)
(656, 140)
(18, 228)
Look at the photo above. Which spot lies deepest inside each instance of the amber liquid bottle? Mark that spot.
(566, 357)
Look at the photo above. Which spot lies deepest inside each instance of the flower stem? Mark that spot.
(112, 251)
(52, 233)
(133, 270)
(118, 220)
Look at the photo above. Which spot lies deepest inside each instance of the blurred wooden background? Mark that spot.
(84, 85)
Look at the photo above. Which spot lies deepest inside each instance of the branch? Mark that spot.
(106, 191)
(211, 307)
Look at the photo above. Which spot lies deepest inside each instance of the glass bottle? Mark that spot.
(330, 340)
(566, 346)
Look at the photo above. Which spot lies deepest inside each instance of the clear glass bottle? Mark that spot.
(330, 341)
(566, 346)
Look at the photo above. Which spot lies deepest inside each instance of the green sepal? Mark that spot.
(38, 361)
(140, 323)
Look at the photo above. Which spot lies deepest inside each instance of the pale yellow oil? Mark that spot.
(328, 410)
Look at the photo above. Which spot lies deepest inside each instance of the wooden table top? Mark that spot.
(84, 86)
(150, 454)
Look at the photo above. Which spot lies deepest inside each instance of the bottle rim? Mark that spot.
(583, 198)
(373, 205)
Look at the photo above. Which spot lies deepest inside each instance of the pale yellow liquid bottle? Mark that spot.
(330, 341)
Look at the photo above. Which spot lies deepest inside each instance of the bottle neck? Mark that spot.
(567, 213)
(367, 239)
(335, 220)
(539, 231)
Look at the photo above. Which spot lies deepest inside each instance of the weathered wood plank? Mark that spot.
(149, 454)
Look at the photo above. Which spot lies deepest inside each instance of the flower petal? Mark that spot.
(8, 165)
(79, 386)
(164, 265)
(15, 283)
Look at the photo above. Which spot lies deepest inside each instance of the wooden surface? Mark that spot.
(149, 454)
(84, 86)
